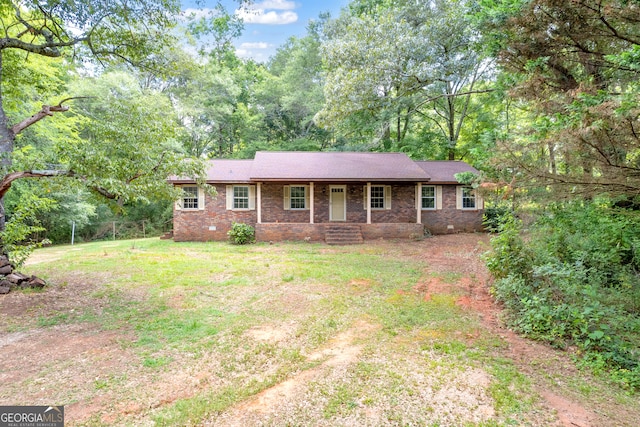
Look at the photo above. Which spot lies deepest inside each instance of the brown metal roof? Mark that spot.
(442, 171)
(335, 166)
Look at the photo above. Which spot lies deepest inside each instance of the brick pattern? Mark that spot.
(197, 225)
(280, 224)
(392, 231)
(278, 232)
(449, 219)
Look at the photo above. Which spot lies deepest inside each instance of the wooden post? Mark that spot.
(311, 196)
(368, 203)
(419, 203)
(259, 202)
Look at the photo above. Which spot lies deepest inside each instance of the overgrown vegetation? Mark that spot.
(573, 279)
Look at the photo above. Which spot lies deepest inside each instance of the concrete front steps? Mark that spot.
(343, 234)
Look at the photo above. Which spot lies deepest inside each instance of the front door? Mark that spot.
(338, 203)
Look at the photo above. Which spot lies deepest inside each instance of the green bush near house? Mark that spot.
(242, 234)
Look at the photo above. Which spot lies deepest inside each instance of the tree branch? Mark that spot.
(7, 180)
(47, 110)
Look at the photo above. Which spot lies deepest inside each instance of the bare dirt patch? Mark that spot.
(460, 254)
(340, 351)
(101, 378)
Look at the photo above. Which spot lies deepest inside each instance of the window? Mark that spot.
(377, 197)
(240, 197)
(380, 197)
(468, 198)
(190, 197)
(298, 197)
(428, 197)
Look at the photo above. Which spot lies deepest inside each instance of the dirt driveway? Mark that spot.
(96, 371)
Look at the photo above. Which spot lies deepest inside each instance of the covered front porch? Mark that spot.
(337, 202)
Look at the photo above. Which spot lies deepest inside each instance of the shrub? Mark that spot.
(574, 280)
(241, 234)
(495, 217)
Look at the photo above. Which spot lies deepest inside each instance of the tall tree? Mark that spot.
(394, 62)
(578, 65)
(292, 93)
(103, 30)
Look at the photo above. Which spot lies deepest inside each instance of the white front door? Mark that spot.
(338, 203)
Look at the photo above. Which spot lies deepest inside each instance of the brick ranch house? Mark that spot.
(337, 197)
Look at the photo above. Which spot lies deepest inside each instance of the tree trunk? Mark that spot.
(7, 138)
(552, 159)
(451, 120)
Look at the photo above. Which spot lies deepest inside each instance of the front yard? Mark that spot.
(153, 332)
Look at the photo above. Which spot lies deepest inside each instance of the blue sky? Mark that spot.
(270, 23)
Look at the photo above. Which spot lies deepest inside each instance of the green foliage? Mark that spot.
(574, 67)
(18, 236)
(118, 116)
(467, 178)
(495, 217)
(241, 234)
(575, 281)
(398, 69)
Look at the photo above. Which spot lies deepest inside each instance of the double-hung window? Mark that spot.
(241, 197)
(428, 197)
(468, 198)
(298, 197)
(380, 197)
(190, 197)
(377, 197)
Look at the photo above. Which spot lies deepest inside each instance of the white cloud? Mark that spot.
(256, 45)
(275, 4)
(261, 16)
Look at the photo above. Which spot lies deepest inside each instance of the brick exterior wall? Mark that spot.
(215, 220)
(449, 219)
(278, 232)
(391, 231)
(196, 225)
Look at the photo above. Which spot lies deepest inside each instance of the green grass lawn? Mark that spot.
(198, 330)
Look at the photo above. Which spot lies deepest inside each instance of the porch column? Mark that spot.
(259, 202)
(419, 203)
(368, 203)
(311, 203)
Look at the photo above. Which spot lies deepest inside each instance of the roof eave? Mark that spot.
(339, 179)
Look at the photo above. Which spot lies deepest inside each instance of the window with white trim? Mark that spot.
(377, 197)
(297, 197)
(428, 197)
(190, 198)
(468, 198)
(240, 197)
